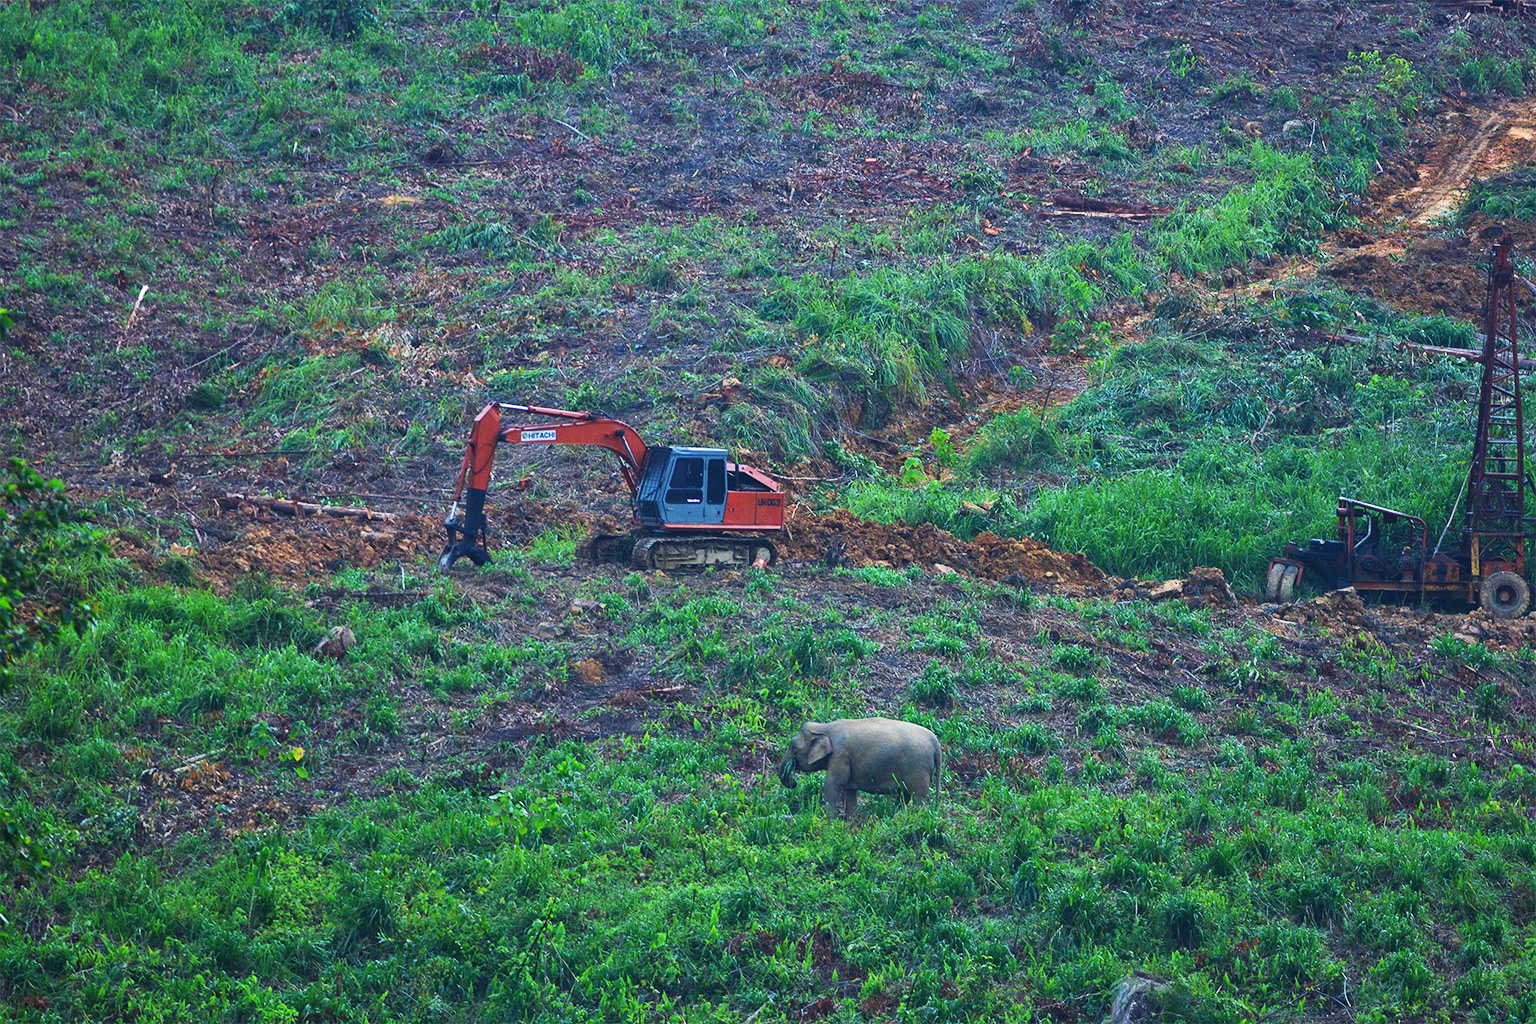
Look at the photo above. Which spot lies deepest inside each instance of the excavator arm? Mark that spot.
(467, 534)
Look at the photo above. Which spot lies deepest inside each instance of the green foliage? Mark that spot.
(1503, 197)
(1473, 655)
(887, 337)
(935, 687)
(1282, 211)
(783, 415)
(1233, 510)
(1076, 658)
(1013, 442)
(38, 529)
(1387, 91)
(590, 870)
(1483, 72)
(555, 546)
(1235, 89)
(340, 19)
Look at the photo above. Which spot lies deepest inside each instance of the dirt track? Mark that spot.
(1406, 253)
(1473, 144)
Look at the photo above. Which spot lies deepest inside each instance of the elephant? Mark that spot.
(865, 755)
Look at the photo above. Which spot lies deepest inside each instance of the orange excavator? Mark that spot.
(693, 507)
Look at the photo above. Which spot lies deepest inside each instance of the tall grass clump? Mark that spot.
(600, 32)
(1231, 508)
(958, 510)
(1387, 94)
(886, 338)
(1281, 211)
(1012, 442)
(1505, 197)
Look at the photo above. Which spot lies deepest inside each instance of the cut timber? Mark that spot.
(302, 508)
(1473, 354)
(1074, 204)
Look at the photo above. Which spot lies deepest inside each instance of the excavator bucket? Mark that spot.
(466, 537)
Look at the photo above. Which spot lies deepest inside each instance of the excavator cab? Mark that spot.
(682, 486)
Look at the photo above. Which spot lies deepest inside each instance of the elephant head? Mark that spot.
(809, 751)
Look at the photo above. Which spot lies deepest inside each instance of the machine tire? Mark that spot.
(1506, 595)
(1272, 582)
(1288, 584)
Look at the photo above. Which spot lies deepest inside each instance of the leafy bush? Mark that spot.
(935, 687)
(1235, 510)
(887, 337)
(340, 19)
(1012, 441)
(37, 529)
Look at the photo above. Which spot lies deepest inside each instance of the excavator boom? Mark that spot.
(467, 535)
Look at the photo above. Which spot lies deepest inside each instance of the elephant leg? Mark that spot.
(918, 791)
(840, 800)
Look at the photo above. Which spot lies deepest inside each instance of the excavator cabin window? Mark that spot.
(687, 484)
(717, 481)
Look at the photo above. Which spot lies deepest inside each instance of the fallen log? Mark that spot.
(1522, 8)
(1474, 355)
(1094, 214)
(1074, 204)
(302, 508)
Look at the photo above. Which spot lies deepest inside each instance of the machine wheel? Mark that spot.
(1288, 584)
(1280, 582)
(607, 548)
(692, 553)
(1506, 595)
(1272, 582)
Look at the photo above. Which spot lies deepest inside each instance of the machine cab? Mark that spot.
(682, 486)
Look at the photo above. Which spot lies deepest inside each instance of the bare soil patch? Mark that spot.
(858, 542)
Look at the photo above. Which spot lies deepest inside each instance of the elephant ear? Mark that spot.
(820, 749)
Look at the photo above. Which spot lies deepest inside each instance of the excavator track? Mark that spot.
(671, 554)
(608, 548)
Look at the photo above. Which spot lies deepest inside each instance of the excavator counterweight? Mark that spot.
(693, 507)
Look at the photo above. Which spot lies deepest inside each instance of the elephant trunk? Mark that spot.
(787, 773)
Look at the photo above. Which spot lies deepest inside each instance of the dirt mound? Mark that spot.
(1425, 274)
(843, 537)
(1411, 258)
(292, 550)
(1207, 588)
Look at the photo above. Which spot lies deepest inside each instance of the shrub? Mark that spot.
(1282, 211)
(1013, 441)
(935, 687)
(340, 19)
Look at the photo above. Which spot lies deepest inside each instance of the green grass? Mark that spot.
(1234, 510)
(887, 338)
(1503, 197)
(600, 879)
(1281, 211)
(1214, 451)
